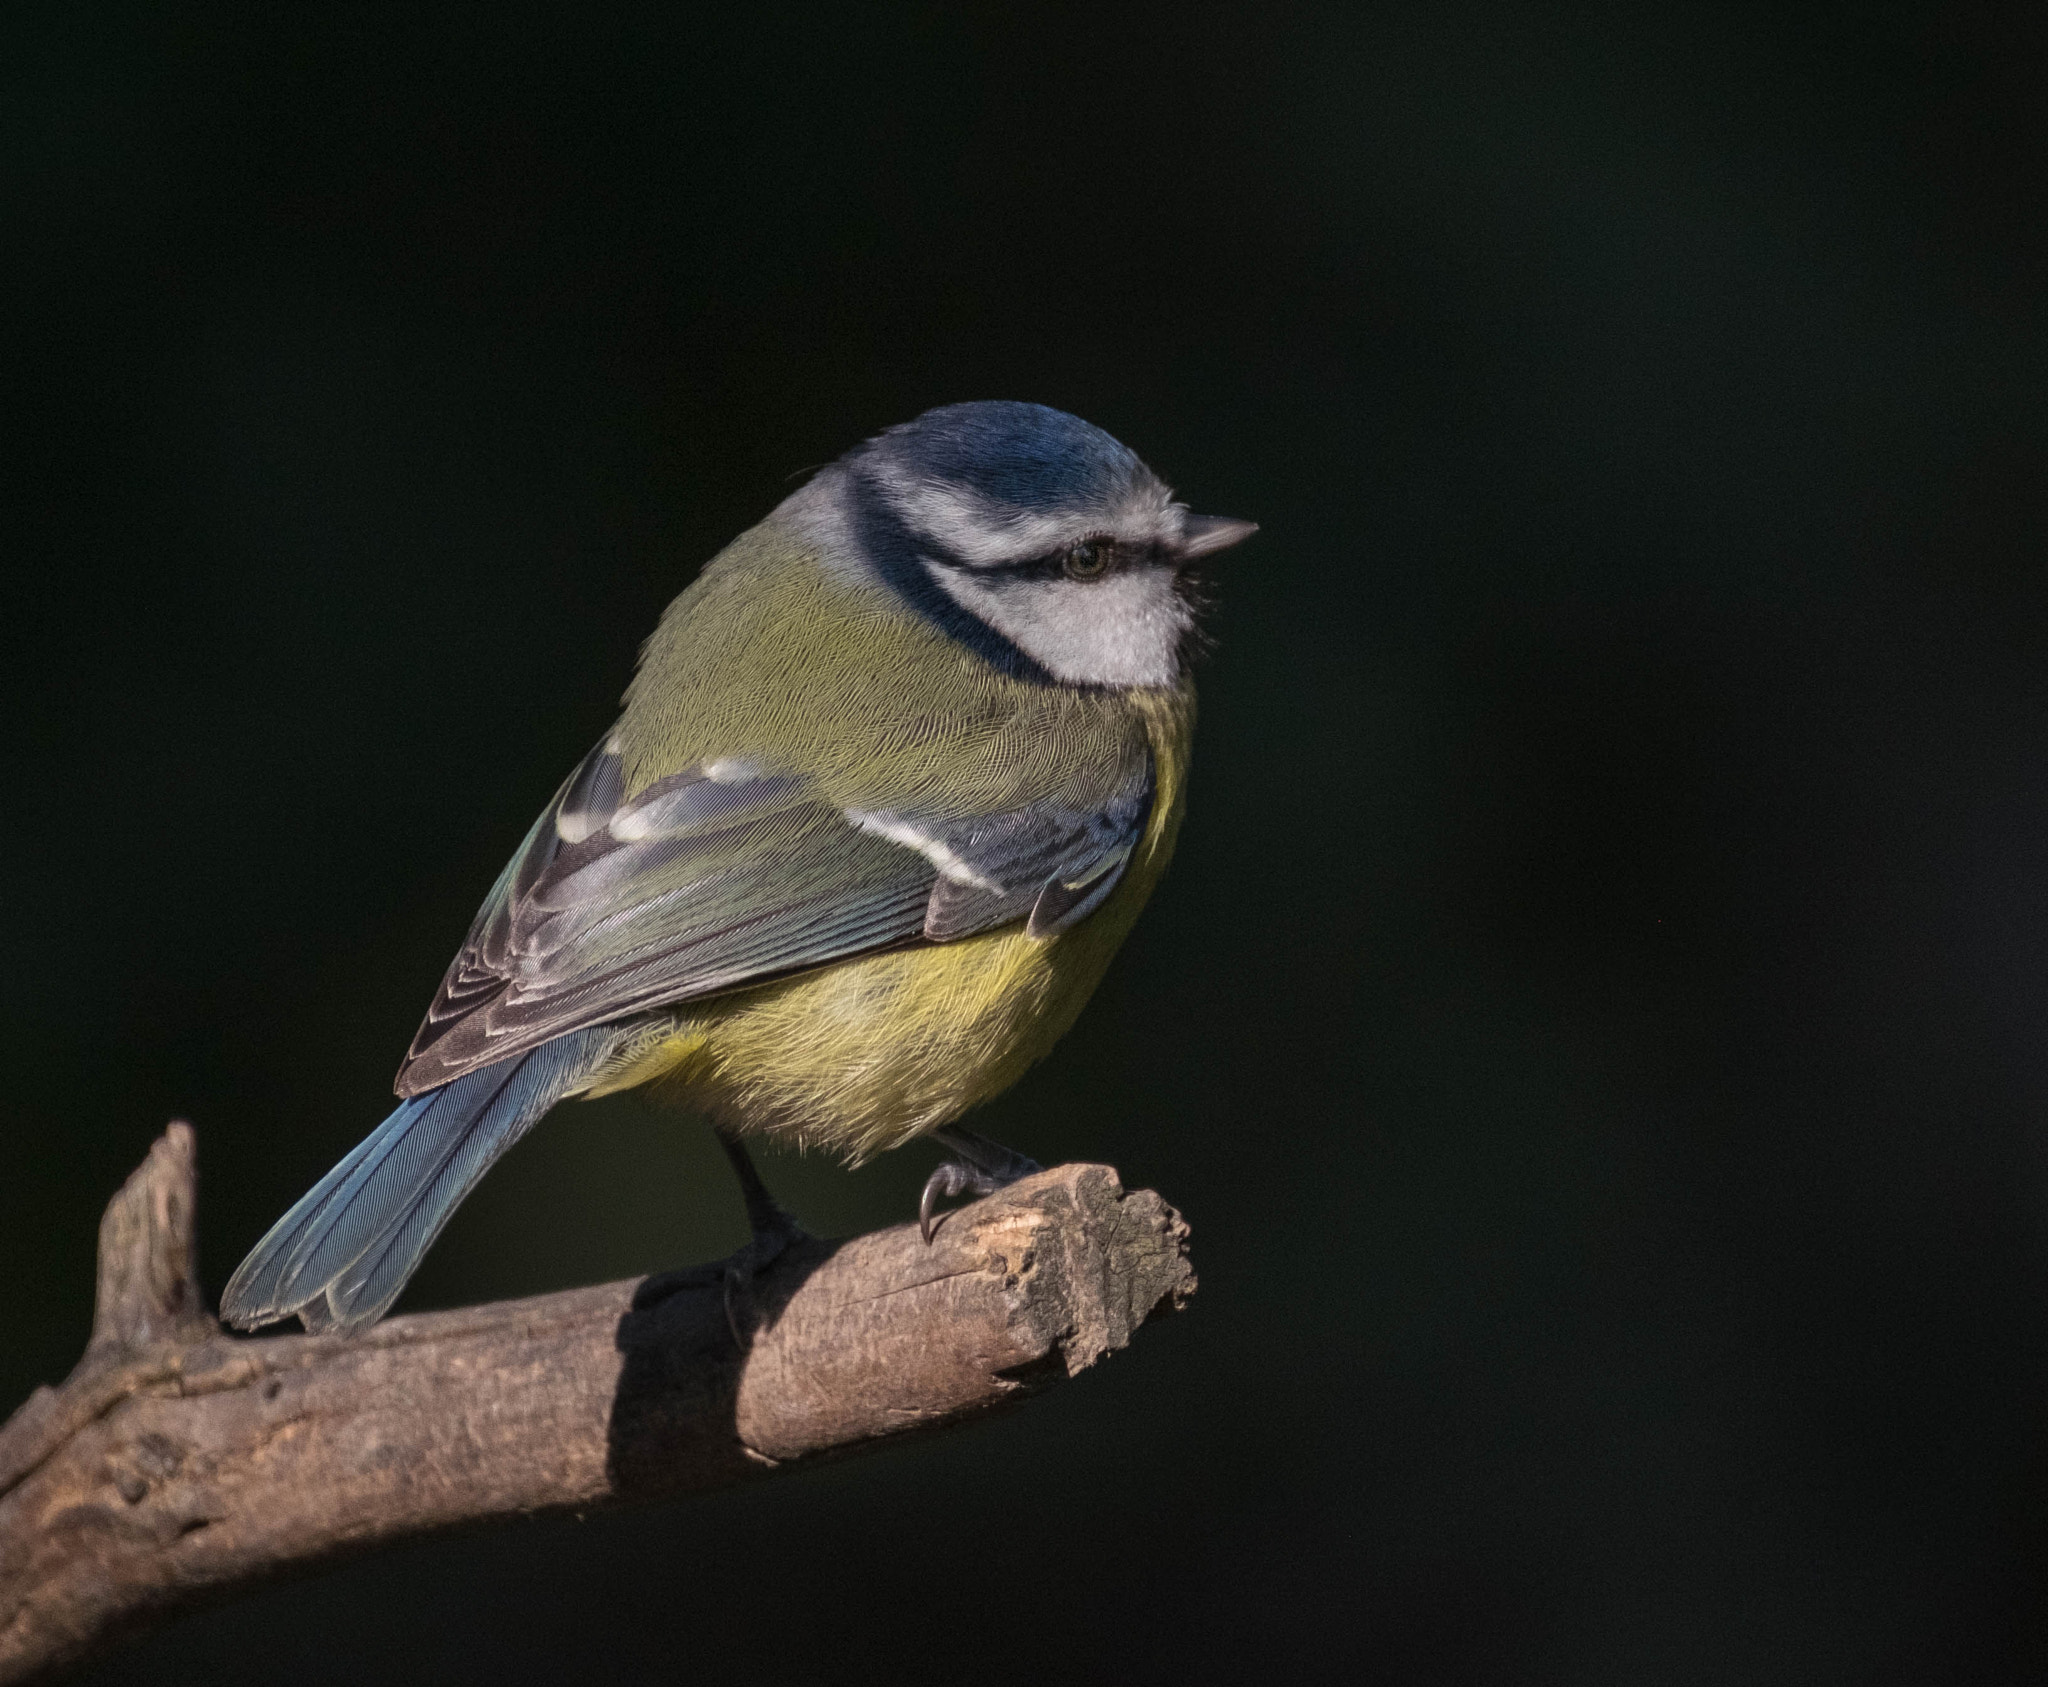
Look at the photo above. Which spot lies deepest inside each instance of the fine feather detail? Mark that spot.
(723, 875)
(933, 849)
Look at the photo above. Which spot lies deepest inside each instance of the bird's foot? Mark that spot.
(734, 1274)
(978, 1167)
(768, 1244)
(775, 1233)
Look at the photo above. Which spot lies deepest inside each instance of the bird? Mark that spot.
(892, 779)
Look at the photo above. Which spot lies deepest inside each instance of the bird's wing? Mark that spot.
(1053, 863)
(726, 874)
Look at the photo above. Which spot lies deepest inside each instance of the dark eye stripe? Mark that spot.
(1057, 565)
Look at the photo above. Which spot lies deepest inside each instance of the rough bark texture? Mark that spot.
(178, 1464)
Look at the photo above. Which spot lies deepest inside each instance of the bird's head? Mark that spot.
(1030, 525)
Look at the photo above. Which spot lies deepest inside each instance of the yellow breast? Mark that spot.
(863, 1055)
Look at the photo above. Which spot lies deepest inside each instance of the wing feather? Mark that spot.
(724, 875)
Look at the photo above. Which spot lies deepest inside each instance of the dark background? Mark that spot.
(1596, 1022)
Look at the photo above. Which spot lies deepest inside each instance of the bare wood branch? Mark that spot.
(179, 1464)
(149, 1251)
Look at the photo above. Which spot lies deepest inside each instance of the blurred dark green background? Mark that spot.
(1598, 1024)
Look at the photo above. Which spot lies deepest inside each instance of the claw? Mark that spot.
(732, 1317)
(980, 1167)
(947, 1180)
(665, 1284)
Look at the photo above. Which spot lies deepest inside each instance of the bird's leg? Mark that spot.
(774, 1229)
(765, 1215)
(978, 1167)
(773, 1233)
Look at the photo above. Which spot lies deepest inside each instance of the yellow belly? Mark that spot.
(864, 1055)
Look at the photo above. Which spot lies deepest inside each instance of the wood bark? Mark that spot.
(179, 1464)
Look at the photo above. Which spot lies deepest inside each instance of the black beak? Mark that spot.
(1205, 535)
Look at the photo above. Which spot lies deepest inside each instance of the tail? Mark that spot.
(339, 1258)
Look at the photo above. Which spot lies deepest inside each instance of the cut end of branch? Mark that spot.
(1126, 1260)
(148, 1264)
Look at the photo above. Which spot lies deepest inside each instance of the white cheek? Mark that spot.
(1126, 630)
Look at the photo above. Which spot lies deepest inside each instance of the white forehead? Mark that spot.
(970, 527)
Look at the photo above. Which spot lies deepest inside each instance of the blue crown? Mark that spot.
(1029, 456)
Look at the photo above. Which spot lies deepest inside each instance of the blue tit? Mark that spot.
(893, 779)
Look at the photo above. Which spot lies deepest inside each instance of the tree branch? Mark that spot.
(178, 1464)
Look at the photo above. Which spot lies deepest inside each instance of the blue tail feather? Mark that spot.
(340, 1257)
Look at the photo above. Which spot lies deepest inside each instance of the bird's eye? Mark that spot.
(1088, 560)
